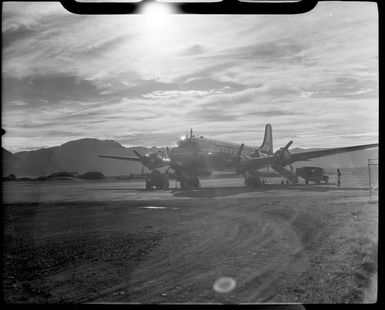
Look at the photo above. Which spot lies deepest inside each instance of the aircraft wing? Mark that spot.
(258, 163)
(121, 157)
(320, 153)
(288, 158)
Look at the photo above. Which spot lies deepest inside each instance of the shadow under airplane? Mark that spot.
(212, 192)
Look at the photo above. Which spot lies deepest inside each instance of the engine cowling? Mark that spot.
(152, 160)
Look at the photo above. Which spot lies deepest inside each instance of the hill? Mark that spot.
(78, 156)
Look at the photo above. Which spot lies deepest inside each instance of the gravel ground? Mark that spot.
(314, 244)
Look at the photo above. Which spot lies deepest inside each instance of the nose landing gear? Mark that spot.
(157, 180)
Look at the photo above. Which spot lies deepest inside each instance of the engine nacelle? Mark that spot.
(153, 160)
(282, 156)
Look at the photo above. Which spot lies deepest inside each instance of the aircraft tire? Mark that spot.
(148, 184)
(196, 183)
(183, 184)
(250, 182)
(165, 182)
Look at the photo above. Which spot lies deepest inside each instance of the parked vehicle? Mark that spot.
(313, 174)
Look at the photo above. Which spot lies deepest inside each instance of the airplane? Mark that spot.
(194, 154)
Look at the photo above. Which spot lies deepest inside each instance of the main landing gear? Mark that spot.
(252, 179)
(157, 180)
(189, 182)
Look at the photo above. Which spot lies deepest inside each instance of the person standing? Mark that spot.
(339, 177)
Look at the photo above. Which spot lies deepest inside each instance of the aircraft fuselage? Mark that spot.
(203, 153)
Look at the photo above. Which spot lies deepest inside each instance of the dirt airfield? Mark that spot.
(79, 242)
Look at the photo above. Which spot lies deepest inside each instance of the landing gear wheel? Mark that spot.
(165, 182)
(196, 183)
(253, 181)
(187, 183)
(148, 184)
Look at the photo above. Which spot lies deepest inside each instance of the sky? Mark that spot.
(146, 79)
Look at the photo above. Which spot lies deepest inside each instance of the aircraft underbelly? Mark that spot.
(218, 163)
(200, 161)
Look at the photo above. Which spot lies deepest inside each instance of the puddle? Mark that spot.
(156, 207)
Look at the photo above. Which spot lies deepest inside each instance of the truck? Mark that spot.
(313, 174)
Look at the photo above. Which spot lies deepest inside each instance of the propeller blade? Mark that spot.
(240, 150)
(288, 145)
(191, 133)
(137, 154)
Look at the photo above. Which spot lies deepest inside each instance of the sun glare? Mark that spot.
(158, 23)
(156, 10)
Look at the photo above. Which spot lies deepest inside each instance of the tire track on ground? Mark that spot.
(259, 251)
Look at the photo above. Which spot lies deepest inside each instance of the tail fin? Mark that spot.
(267, 145)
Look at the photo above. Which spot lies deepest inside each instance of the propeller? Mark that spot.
(151, 160)
(142, 160)
(282, 156)
(237, 159)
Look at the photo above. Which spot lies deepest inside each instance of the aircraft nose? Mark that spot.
(176, 152)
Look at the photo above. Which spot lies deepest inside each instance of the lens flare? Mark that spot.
(224, 285)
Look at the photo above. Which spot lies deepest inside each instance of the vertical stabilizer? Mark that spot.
(267, 145)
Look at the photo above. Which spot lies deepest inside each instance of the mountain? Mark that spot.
(75, 156)
(82, 156)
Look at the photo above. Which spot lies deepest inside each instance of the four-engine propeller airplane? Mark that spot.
(192, 155)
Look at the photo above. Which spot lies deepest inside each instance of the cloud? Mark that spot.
(226, 76)
(14, 34)
(180, 93)
(266, 51)
(49, 89)
(193, 50)
(346, 87)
